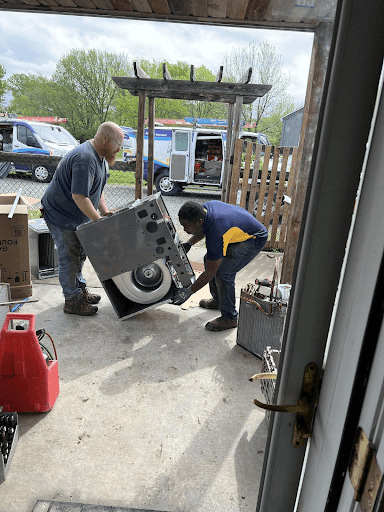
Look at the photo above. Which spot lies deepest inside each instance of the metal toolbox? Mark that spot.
(134, 252)
(8, 421)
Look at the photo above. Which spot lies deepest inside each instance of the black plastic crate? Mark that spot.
(9, 436)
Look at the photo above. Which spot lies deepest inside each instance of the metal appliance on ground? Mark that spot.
(137, 255)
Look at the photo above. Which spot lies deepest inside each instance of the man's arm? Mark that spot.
(196, 237)
(85, 205)
(103, 208)
(208, 274)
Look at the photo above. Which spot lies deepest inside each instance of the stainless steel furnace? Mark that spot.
(137, 255)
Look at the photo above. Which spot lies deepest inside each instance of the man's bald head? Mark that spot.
(108, 141)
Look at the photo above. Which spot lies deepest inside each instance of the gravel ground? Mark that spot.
(174, 203)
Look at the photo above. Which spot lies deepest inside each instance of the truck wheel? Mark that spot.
(41, 174)
(164, 185)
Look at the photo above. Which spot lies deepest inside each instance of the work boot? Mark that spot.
(209, 304)
(78, 306)
(90, 298)
(221, 324)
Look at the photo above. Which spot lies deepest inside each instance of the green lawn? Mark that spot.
(121, 178)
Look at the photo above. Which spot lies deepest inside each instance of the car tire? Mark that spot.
(164, 185)
(41, 174)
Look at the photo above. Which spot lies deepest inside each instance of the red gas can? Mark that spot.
(27, 382)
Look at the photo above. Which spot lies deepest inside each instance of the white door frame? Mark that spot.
(344, 124)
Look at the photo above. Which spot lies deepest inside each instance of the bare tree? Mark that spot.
(267, 68)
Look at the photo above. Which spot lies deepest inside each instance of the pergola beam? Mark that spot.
(223, 92)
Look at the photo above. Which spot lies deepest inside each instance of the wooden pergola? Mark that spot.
(313, 16)
(235, 94)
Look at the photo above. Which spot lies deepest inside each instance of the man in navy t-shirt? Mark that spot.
(233, 238)
(75, 196)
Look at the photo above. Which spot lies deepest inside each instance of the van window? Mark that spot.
(181, 141)
(25, 136)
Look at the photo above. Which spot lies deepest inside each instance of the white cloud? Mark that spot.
(50, 37)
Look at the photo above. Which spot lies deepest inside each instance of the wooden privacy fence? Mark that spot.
(260, 183)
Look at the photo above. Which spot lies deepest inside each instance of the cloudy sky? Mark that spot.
(34, 43)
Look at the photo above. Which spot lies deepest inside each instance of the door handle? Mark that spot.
(305, 407)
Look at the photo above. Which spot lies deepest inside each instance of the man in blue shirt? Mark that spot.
(233, 239)
(75, 196)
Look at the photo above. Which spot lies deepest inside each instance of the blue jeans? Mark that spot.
(71, 256)
(222, 286)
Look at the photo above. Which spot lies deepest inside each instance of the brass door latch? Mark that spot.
(305, 407)
(364, 472)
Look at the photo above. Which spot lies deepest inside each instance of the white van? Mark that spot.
(185, 156)
(36, 138)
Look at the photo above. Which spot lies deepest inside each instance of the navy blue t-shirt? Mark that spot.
(81, 171)
(226, 224)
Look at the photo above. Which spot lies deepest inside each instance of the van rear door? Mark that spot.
(178, 166)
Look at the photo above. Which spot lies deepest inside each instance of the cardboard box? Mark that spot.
(14, 246)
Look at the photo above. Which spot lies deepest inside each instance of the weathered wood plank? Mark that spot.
(139, 73)
(256, 9)
(227, 163)
(192, 74)
(151, 145)
(140, 145)
(246, 78)
(52, 3)
(198, 8)
(217, 8)
(255, 175)
(316, 79)
(279, 197)
(271, 192)
(34, 2)
(140, 5)
(166, 74)
(159, 6)
(185, 89)
(287, 211)
(236, 171)
(180, 7)
(219, 75)
(101, 4)
(120, 5)
(237, 9)
(246, 172)
(263, 184)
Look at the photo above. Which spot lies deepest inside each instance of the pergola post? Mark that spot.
(235, 135)
(140, 145)
(151, 144)
(227, 161)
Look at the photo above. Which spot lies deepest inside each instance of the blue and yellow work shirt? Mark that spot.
(226, 224)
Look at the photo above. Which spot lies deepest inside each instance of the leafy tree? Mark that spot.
(2, 85)
(31, 94)
(86, 77)
(267, 68)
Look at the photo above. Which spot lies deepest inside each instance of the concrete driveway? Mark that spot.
(154, 412)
